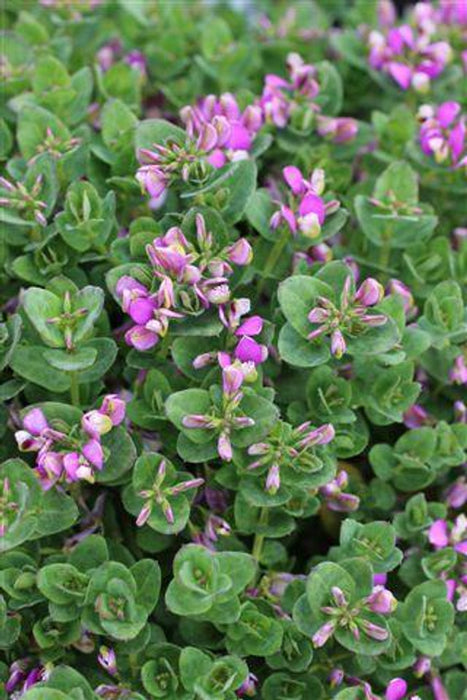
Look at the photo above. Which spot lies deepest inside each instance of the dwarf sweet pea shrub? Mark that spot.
(233, 351)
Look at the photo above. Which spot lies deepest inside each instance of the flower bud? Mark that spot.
(114, 407)
(396, 689)
(108, 660)
(324, 633)
(240, 253)
(338, 344)
(35, 421)
(370, 292)
(232, 379)
(95, 424)
(224, 447)
(273, 480)
(374, 631)
(381, 601)
(93, 452)
(196, 420)
(143, 515)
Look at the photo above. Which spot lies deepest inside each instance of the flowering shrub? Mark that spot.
(233, 348)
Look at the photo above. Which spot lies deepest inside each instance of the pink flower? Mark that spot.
(93, 452)
(370, 292)
(396, 689)
(240, 253)
(323, 634)
(141, 338)
(381, 601)
(35, 422)
(114, 407)
(95, 423)
(232, 379)
(438, 534)
(458, 374)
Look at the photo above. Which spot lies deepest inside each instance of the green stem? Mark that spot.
(385, 254)
(74, 388)
(273, 258)
(259, 538)
(164, 347)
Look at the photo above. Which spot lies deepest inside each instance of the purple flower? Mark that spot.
(456, 494)
(143, 515)
(273, 480)
(337, 129)
(240, 253)
(416, 416)
(248, 350)
(95, 424)
(114, 407)
(141, 338)
(438, 534)
(35, 422)
(224, 447)
(376, 632)
(396, 689)
(232, 379)
(338, 344)
(94, 454)
(248, 687)
(369, 293)
(323, 634)
(108, 660)
(381, 601)
(442, 133)
(438, 689)
(458, 374)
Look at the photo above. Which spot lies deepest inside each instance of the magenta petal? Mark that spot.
(248, 350)
(289, 216)
(140, 338)
(217, 158)
(71, 464)
(401, 74)
(93, 452)
(240, 139)
(312, 204)
(294, 179)
(396, 689)
(129, 283)
(461, 547)
(34, 421)
(438, 533)
(456, 140)
(395, 41)
(251, 326)
(447, 112)
(141, 310)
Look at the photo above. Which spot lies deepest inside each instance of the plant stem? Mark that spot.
(74, 388)
(273, 258)
(385, 254)
(259, 538)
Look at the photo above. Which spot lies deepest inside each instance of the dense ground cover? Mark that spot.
(233, 350)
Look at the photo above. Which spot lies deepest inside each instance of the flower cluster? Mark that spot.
(67, 456)
(236, 129)
(228, 415)
(350, 317)
(442, 133)
(188, 278)
(24, 201)
(233, 351)
(306, 211)
(408, 56)
(294, 100)
(442, 535)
